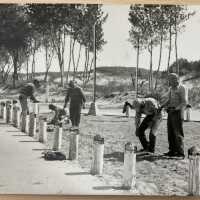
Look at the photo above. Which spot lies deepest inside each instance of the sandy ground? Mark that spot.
(168, 175)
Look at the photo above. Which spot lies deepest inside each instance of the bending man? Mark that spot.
(27, 92)
(152, 111)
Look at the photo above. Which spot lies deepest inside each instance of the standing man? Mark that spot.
(77, 100)
(175, 107)
(151, 108)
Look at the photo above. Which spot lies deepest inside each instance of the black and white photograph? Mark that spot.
(100, 99)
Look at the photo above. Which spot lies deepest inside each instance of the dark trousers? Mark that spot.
(175, 132)
(75, 114)
(152, 122)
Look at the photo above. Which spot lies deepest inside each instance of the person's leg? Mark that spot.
(178, 133)
(78, 115)
(141, 132)
(153, 132)
(72, 113)
(170, 133)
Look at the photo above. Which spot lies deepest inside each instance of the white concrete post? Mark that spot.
(27, 124)
(73, 146)
(32, 125)
(8, 106)
(36, 108)
(194, 175)
(188, 111)
(23, 122)
(57, 138)
(97, 164)
(4, 113)
(2, 109)
(18, 114)
(129, 176)
(11, 113)
(14, 115)
(43, 131)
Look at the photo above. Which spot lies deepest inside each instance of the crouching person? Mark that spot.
(59, 114)
(153, 117)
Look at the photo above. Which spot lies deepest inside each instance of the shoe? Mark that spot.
(143, 151)
(76, 128)
(170, 154)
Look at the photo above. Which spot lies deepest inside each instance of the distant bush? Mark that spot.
(112, 87)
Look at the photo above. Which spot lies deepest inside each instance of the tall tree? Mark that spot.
(13, 20)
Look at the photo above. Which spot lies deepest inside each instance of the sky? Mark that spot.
(119, 52)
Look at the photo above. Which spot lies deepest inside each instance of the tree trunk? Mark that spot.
(170, 46)
(78, 59)
(159, 61)
(137, 66)
(89, 72)
(47, 67)
(69, 63)
(151, 71)
(176, 48)
(27, 71)
(33, 66)
(15, 75)
(73, 60)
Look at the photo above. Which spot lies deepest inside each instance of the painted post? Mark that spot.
(23, 122)
(8, 112)
(27, 124)
(188, 111)
(3, 110)
(43, 130)
(18, 114)
(14, 115)
(73, 146)
(11, 113)
(32, 125)
(129, 176)
(58, 137)
(97, 164)
(194, 174)
(36, 108)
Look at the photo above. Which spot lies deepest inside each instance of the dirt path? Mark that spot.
(168, 175)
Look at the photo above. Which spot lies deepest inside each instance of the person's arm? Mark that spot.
(137, 120)
(32, 97)
(82, 95)
(165, 100)
(66, 99)
(183, 100)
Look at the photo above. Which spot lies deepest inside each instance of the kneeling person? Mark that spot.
(152, 109)
(59, 116)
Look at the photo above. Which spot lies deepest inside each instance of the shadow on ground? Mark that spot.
(108, 188)
(77, 173)
(119, 156)
(115, 156)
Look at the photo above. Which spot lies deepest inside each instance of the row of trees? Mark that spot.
(153, 26)
(26, 29)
